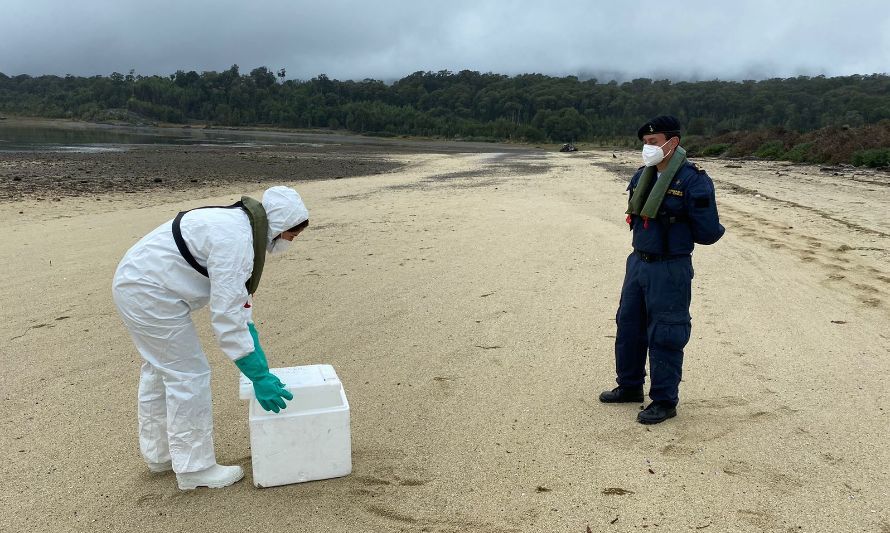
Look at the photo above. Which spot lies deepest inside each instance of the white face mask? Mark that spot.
(278, 245)
(653, 155)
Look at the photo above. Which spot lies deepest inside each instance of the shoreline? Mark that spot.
(394, 141)
(54, 174)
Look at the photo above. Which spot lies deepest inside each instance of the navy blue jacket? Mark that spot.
(688, 215)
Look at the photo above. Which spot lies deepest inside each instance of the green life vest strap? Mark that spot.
(646, 198)
(259, 226)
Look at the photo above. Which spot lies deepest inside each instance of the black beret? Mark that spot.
(660, 124)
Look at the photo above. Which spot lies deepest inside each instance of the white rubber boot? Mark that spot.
(157, 468)
(215, 477)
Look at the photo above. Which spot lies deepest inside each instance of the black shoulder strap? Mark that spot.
(180, 242)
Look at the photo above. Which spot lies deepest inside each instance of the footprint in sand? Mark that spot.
(390, 514)
(761, 415)
(151, 498)
(872, 302)
(374, 486)
(866, 288)
(676, 450)
(736, 468)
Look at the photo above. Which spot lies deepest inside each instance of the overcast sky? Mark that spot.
(617, 39)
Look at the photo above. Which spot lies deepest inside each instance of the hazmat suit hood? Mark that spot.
(284, 210)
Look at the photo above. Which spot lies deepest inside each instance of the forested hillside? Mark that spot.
(776, 118)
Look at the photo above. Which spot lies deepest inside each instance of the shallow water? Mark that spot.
(18, 137)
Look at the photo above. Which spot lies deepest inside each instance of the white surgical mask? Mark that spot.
(278, 245)
(653, 155)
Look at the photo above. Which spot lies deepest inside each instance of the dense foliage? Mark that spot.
(472, 105)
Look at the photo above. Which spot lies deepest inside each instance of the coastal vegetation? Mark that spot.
(803, 119)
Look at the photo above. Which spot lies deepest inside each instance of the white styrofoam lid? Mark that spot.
(296, 377)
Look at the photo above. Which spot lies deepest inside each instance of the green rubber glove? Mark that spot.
(266, 387)
(251, 327)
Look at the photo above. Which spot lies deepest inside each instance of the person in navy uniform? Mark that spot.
(671, 208)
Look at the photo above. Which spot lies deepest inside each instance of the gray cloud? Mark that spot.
(695, 39)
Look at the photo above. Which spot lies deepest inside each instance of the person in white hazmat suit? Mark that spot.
(157, 286)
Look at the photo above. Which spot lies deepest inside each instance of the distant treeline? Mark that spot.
(777, 118)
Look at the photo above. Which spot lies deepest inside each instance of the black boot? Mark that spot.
(622, 395)
(656, 412)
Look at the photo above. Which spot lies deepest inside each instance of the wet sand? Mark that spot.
(467, 301)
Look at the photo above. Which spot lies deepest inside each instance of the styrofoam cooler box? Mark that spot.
(310, 439)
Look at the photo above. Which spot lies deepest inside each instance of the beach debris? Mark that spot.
(495, 347)
(838, 321)
(651, 471)
(542, 488)
(486, 295)
(617, 491)
(732, 166)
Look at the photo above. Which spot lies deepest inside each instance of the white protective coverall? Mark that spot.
(156, 290)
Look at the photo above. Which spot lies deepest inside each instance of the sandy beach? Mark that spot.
(467, 301)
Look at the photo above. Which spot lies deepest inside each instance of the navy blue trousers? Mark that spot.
(653, 317)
